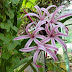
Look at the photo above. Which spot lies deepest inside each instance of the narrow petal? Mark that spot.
(61, 42)
(32, 14)
(52, 31)
(61, 34)
(22, 37)
(57, 11)
(37, 41)
(51, 47)
(63, 16)
(39, 11)
(41, 47)
(40, 23)
(35, 57)
(52, 54)
(28, 27)
(60, 24)
(43, 9)
(53, 41)
(45, 40)
(28, 49)
(38, 29)
(40, 36)
(47, 29)
(28, 43)
(51, 7)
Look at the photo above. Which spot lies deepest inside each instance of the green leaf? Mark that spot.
(1, 36)
(6, 55)
(15, 51)
(33, 68)
(6, 40)
(33, 1)
(30, 4)
(15, 28)
(28, 63)
(15, 1)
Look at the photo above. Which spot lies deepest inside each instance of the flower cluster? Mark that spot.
(52, 26)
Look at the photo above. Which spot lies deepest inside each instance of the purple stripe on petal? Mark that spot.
(37, 41)
(22, 37)
(57, 11)
(61, 42)
(47, 29)
(38, 29)
(35, 55)
(28, 43)
(53, 41)
(51, 7)
(45, 40)
(28, 49)
(63, 16)
(51, 47)
(60, 24)
(40, 36)
(40, 23)
(28, 27)
(61, 34)
(52, 55)
(39, 11)
(43, 9)
(41, 47)
(32, 14)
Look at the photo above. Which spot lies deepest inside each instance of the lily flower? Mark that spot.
(52, 35)
(32, 36)
(46, 47)
(53, 21)
(41, 17)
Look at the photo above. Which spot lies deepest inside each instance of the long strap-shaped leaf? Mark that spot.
(66, 58)
(28, 63)
(33, 68)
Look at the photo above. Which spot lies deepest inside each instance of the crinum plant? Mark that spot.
(52, 26)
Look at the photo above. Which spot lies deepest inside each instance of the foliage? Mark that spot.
(10, 22)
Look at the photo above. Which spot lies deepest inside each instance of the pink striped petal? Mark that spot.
(39, 11)
(51, 7)
(45, 40)
(40, 36)
(60, 24)
(52, 31)
(57, 11)
(47, 29)
(44, 15)
(28, 49)
(28, 27)
(32, 14)
(61, 34)
(37, 41)
(52, 54)
(63, 16)
(41, 47)
(51, 47)
(35, 57)
(61, 42)
(28, 42)
(53, 43)
(43, 9)
(40, 23)
(38, 29)
(22, 37)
